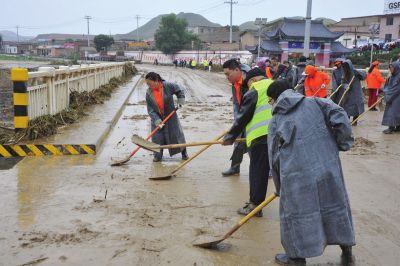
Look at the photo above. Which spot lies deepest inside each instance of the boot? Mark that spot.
(283, 259)
(248, 208)
(389, 130)
(157, 156)
(347, 258)
(184, 155)
(233, 170)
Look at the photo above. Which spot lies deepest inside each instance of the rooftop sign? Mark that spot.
(391, 7)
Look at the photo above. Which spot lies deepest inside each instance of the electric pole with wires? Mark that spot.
(231, 2)
(88, 18)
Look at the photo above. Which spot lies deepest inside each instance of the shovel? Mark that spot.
(151, 146)
(213, 244)
(121, 162)
(372, 106)
(169, 175)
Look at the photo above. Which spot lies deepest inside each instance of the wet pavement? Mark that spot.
(78, 210)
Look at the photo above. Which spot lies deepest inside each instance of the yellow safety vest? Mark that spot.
(258, 126)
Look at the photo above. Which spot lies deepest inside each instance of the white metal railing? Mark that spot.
(49, 88)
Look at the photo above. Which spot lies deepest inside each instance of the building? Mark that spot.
(216, 38)
(284, 39)
(358, 31)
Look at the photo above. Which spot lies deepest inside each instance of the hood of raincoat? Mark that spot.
(287, 101)
(396, 68)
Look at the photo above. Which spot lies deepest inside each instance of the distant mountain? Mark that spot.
(146, 32)
(12, 36)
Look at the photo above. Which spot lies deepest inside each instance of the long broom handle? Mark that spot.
(337, 89)
(348, 88)
(192, 144)
(372, 106)
(196, 154)
(154, 131)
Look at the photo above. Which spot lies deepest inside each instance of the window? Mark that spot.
(389, 21)
(388, 37)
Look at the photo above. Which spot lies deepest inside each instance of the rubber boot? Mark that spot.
(347, 258)
(248, 208)
(233, 170)
(283, 259)
(184, 154)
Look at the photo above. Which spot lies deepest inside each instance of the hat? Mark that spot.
(338, 61)
(376, 63)
(255, 72)
(310, 70)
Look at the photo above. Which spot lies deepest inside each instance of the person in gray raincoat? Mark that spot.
(391, 116)
(160, 103)
(304, 140)
(353, 100)
(336, 79)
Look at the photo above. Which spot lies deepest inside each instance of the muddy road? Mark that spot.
(77, 210)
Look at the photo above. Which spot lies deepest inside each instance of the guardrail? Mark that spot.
(49, 88)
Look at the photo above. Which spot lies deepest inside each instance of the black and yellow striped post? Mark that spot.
(19, 77)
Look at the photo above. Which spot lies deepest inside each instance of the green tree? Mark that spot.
(172, 35)
(1, 41)
(103, 42)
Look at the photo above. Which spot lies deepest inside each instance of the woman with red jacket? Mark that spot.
(316, 82)
(374, 83)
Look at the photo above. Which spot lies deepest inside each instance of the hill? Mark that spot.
(146, 32)
(12, 36)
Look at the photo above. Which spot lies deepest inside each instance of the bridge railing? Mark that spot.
(49, 88)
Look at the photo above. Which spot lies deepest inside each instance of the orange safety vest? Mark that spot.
(238, 85)
(268, 72)
(312, 85)
(375, 79)
(158, 96)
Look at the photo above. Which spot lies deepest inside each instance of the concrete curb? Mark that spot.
(116, 117)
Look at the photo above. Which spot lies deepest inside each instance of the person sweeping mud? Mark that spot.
(351, 98)
(160, 103)
(391, 116)
(254, 116)
(236, 73)
(304, 157)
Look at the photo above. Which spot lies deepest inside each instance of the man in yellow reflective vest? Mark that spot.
(254, 116)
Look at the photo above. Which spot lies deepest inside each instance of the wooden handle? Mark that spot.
(196, 154)
(250, 215)
(348, 88)
(192, 144)
(372, 106)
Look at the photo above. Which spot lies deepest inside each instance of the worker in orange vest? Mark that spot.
(374, 83)
(269, 73)
(316, 82)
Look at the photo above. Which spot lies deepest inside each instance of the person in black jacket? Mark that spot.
(235, 74)
(254, 116)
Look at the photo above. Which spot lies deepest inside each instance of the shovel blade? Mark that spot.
(145, 144)
(120, 162)
(161, 177)
(212, 244)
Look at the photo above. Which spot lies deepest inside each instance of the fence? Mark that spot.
(49, 88)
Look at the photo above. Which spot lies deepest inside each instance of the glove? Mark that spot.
(159, 123)
(181, 102)
(227, 142)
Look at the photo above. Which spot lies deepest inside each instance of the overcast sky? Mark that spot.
(118, 16)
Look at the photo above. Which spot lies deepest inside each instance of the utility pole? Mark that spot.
(260, 22)
(137, 27)
(230, 30)
(307, 32)
(17, 33)
(88, 18)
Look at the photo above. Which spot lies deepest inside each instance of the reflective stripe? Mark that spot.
(259, 124)
(262, 108)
